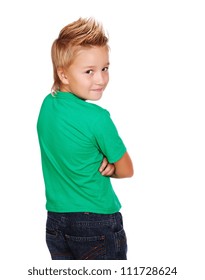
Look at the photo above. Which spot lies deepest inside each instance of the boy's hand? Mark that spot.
(106, 168)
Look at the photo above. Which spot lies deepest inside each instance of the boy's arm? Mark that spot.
(123, 168)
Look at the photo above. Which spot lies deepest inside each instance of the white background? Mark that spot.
(156, 99)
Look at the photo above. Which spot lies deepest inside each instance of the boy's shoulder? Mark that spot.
(86, 107)
(47, 98)
(97, 109)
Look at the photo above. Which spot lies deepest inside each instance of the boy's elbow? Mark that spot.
(130, 170)
(130, 173)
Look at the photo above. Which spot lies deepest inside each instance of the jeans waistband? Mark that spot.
(84, 216)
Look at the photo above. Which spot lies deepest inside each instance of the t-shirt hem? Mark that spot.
(118, 156)
(80, 210)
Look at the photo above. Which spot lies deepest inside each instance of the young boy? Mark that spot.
(81, 150)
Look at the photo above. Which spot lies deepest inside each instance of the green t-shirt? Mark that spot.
(74, 136)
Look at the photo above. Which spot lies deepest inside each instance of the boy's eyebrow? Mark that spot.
(93, 66)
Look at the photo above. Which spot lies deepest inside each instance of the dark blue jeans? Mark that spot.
(86, 236)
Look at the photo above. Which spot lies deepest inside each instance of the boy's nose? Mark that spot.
(99, 79)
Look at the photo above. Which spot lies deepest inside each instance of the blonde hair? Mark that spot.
(80, 33)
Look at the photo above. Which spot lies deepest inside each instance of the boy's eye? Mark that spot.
(105, 69)
(89, 71)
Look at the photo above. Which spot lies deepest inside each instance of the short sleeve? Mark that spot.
(107, 138)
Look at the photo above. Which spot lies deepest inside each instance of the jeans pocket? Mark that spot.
(87, 248)
(51, 229)
(121, 244)
(51, 233)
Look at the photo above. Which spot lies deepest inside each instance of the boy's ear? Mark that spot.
(62, 76)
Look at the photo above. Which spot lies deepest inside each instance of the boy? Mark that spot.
(81, 150)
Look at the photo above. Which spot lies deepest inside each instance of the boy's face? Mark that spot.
(88, 76)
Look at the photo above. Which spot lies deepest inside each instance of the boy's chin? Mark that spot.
(96, 98)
